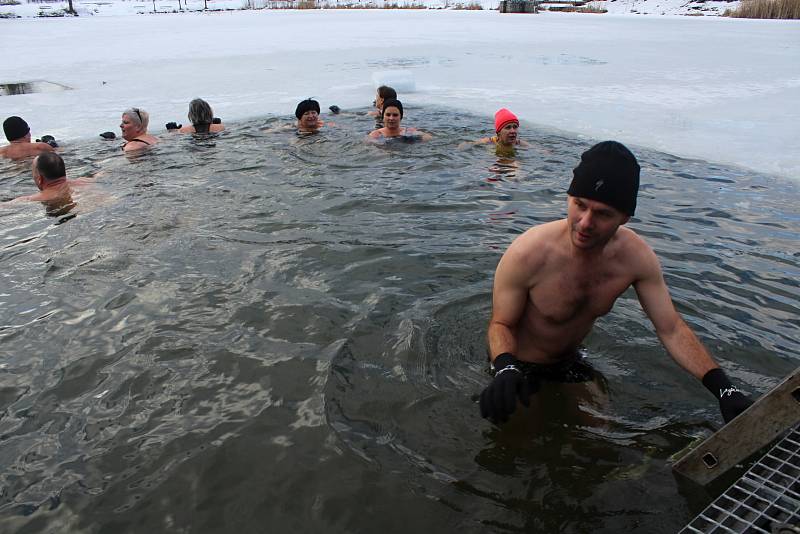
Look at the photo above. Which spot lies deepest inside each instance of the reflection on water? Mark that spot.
(270, 331)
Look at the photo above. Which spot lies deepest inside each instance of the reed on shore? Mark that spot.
(765, 9)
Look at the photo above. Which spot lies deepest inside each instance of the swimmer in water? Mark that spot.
(556, 279)
(383, 93)
(202, 118)
(506, 127)
(392, 117)
(134, 130)
(20, 146)
(307, 113)
(50, 176)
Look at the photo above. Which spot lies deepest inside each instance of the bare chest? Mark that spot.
(572, 293)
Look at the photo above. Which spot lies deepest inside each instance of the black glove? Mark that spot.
(173, 126)
(216, 120)
(732, 402)
(108, 135)
(335, 109)
(49, 139)
(499, 399)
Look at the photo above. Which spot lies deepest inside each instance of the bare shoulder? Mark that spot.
(532, 248)
(217, 128)
(42, 147)
(186, 129)
(376, 134)
(637, 253)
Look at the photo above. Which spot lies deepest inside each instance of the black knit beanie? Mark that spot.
(609, 173)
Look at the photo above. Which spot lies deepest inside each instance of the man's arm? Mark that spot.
(509, 297)
(676, 336)
(681, 343)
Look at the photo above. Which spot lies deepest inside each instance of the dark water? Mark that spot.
(265, 333)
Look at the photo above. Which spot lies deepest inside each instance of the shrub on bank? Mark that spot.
(765, 9)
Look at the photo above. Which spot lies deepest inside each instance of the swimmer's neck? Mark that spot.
(54, 184)
(393, 132)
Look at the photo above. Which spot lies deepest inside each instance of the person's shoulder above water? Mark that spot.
(392, 129)
(50, 176)
(202, 119)
(212, 128)
(20, 146)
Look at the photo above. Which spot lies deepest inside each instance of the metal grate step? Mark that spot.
(766, 499)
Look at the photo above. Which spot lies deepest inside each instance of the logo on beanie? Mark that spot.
(599, 184)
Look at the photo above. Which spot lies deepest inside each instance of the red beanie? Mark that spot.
(503, 117)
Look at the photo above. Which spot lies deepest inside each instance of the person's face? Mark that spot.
(391, 117)
(592, 223)
(129, 128)
(309, 119)
(378, 101)
(508, 133)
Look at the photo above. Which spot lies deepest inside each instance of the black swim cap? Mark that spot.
(392, 103)
(306, 105)
(609, 173)
(15, 128)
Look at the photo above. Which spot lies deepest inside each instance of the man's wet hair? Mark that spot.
(386, 92)
(139, 116)
(200, 112)
(50, 166)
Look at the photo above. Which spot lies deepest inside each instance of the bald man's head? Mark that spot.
(50, 166)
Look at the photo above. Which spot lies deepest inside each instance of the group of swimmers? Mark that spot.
(49, 171)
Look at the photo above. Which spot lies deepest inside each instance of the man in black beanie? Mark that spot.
(557, 278)
(20, 146)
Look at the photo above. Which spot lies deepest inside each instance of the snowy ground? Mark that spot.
(725, 90)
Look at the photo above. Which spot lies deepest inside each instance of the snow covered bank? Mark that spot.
(719, 89)
(132, 7)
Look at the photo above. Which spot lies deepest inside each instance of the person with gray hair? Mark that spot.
(202, 118)
(134, 130)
